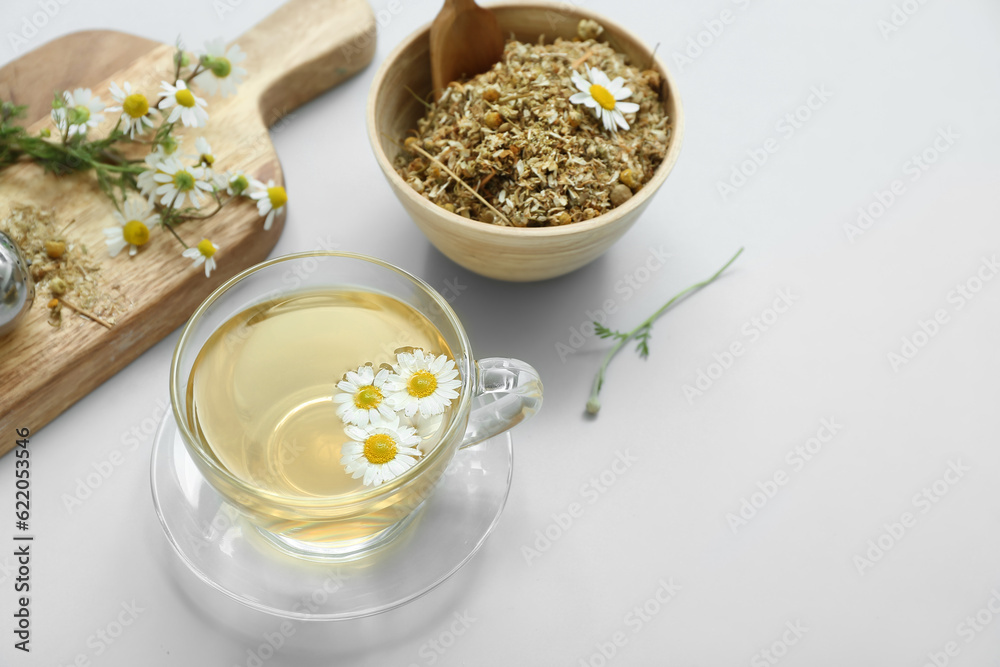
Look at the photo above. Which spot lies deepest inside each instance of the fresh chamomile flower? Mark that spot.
(426, 427)
(178, 181)
(380, 452)
(203, 253)
(222, 68)
(236, 183)
(146, 180)
(133, 227)
(604, 97)
(422, 382)
(270, 199)
(134, 108)
(361, 401)
(204, 149)
(82, 110)
(188, 107)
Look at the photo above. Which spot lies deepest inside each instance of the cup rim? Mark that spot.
(464, 361)
(605, 219)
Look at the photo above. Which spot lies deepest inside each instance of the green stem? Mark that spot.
(593, 404)
(218, 207)
(170, 227)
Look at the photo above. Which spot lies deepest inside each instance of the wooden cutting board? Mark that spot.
(303, 49)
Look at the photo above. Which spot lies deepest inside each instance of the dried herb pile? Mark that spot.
(63, 270)
(515, 138)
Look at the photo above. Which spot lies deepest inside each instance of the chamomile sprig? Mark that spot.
(641, 334)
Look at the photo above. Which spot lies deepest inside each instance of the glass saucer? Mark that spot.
(228, 553)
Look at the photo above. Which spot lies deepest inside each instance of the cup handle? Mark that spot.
(508, 391)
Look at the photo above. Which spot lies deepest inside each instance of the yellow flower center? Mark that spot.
(380, 448)
(602, 96)
(277, 196)
(208, 159)
(183, 181)
(136, 105)
(79, 115)
(136, 232)
(184, 97)
(368, 397)
(206, 248)
(422, 384)
(221, 67)
(239, 184)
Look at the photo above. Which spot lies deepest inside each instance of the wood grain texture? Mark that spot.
(509, 253)
(466, 40)
(32, 79)
(302, 49)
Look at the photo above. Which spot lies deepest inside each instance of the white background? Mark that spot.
(664, 518)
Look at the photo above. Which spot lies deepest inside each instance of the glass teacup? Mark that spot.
(336, 294)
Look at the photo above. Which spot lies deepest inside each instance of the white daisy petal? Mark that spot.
(622, 94)
(600, 78)
(620, 119)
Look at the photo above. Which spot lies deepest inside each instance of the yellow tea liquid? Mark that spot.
(261, 390)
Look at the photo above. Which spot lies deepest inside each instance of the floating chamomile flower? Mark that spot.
(187, 107)
(380, 452)
(361, 399)
(204, 252)
(422, 382)
(132, 229)
(270, 199)
(604, 97)
(426, 427)
(82, 110)
(134, 108)
(222, 71)
(178, 181)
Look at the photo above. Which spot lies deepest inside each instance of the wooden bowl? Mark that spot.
(518, 254)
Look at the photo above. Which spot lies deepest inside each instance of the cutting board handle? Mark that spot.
(303, 49)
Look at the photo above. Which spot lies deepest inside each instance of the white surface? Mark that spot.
(665, 517)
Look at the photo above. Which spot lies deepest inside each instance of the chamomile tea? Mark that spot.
(263, 393)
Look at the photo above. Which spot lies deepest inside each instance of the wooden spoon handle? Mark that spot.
(304, 48)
